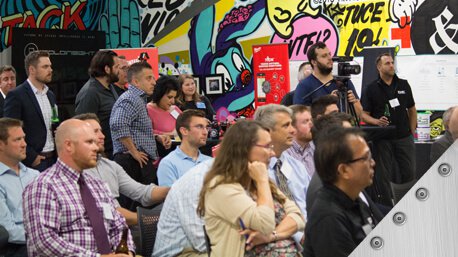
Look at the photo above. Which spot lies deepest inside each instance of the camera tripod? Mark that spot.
(344, 104)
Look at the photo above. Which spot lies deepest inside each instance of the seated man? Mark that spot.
(180, 230)
(68, 212)
(191, 127)
(338, 217)
(14, 176)
(444, 142)
(324, 105)
(117, 179)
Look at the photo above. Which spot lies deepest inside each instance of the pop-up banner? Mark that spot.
(271, 73)
(134, 55)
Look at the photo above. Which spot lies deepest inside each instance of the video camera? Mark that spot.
(344, 66)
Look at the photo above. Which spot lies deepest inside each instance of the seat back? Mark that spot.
(147, 221)
(399, 190)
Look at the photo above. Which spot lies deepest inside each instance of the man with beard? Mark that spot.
(320, 57)
(98, 95)
(120, 86)
(34, 104)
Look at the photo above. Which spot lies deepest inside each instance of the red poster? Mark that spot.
(271, 73)
(133, 55)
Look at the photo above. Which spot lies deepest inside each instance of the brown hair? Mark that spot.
(32, 59)
(181, 97)
(231, 164)
(5, 124)
(185, 118)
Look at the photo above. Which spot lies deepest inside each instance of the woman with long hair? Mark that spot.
(189, 98)
(244, 212)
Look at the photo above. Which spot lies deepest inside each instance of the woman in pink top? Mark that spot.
(161, 110)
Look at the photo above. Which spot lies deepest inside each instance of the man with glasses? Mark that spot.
(338, 216)
(191, 127)
(289, 174)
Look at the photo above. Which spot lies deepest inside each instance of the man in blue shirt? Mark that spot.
(191, 127)
(14, 176)
(289, 174)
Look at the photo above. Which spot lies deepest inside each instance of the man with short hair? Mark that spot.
(339, 218)
(98, 95)
(34, 104)
(303, 147)
(134, 141)
(117, 179)
(7, 83)
(445, 141)
(391, 95)
(320, 57)
(68, 212)
(289, 174)
(324, 105)
(191, 126)
(13, 177)
(120, 86)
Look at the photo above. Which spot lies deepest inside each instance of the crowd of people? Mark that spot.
(292, 181)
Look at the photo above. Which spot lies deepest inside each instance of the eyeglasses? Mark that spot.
(201, 127)
(268, 146)
(368, 157)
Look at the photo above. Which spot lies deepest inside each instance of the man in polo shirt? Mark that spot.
(191, 126)
(98, 95)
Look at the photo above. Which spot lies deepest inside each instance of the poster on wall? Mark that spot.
(134, 55)
(271, 73)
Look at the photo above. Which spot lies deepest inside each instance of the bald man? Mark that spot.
(67, 212)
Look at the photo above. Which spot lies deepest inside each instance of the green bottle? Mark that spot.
(386, 113)
(55, 115)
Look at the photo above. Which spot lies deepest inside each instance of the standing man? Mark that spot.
(390, 95)
(191, 127)
(339, 218)
(320, 57)
(303, 147)
(289, 174)
(134, 142)
(120, 86)
(98, 95)
(34, 104)
(13, 177)
(7, 83)
(68, 212)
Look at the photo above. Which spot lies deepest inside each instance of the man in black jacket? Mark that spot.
(7, 83)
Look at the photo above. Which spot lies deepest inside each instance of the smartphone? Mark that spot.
(261, 77)
(242, 225)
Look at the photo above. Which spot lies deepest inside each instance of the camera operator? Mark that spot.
(387, 100)
(320, 58)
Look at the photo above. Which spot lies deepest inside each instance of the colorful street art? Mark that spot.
(219, 38)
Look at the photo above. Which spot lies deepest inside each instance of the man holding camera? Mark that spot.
(320, 57)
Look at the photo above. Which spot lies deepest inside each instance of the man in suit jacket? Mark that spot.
(34, 104)
(7, 83)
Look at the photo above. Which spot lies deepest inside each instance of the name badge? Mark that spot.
(174, 114)
(401, 92)
(367, 229)
(394, 103)
(107, 214)
(200, 105)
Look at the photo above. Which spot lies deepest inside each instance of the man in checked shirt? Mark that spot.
(57, 219)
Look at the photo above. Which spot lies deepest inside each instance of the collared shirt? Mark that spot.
(179, 225)
(175, 165)
(118, 181)
(298, 182)
(55, 219)
(46, 111)
(11, 187)
(304, 155)
(129, 118)
(338, 221)
(96, 98)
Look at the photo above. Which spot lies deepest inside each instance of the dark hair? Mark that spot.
(311, 53)
(164, 85)
(379, 58)
(32, 59)
(231, 163)
(184, 119)
(99, 61)
(320, 104)
(298, 108)
(5, 124)
(333, 149)
(324, 122)
(6, 68)
(136, 68)
(87, 116)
